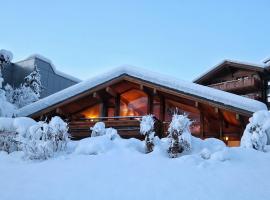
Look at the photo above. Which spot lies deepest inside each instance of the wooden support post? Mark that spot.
(162, 108)
(221, 120)
(117, 105)
(201, 125)
(150, 104)
(141, 87)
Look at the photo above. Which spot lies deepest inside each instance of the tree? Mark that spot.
(6, 109)
(179, 135)
(27, 93)
(33, 81)
(147, 129)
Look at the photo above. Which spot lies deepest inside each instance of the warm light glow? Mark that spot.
(92, 112)
(226, 138)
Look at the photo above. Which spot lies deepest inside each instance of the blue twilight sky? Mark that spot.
(182, 37)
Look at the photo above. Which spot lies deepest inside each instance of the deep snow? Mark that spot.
(118, 169)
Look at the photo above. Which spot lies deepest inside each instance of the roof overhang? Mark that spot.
(236, 64)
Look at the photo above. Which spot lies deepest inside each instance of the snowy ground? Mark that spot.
(119, 170)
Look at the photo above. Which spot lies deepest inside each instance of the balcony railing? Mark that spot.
(238, 85)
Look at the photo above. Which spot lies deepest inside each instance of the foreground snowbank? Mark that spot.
(122, 171)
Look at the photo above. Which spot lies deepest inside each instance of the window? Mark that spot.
(92, 112)
(133, 103)
(193, 114)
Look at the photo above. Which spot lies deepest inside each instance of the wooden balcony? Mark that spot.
(126, 127)
(245, 84)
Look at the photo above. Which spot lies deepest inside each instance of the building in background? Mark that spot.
(52, 80)
(245, 79)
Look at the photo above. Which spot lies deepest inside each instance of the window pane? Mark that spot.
(133, 103)
(92, 112)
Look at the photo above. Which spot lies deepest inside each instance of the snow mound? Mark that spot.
(257, 132)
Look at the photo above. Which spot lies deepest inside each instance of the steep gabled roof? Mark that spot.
(184, 87)
(237, 64)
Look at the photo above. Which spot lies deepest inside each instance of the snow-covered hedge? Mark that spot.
(43, 140)
(257, 132)
(38, 140)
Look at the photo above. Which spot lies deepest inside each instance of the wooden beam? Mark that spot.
(196, 104)
(150, 104)
(221, 123)
(216, 110)
(111, 91)
(237, 116)
(201, 125)
(117, 105)
(141, 87)
(162, 108)
(96, 96)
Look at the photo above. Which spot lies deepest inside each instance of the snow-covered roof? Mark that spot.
(194, 89)
(60, 73)
(253, 65)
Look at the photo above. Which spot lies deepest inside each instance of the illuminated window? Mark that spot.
(133, 103)
(156, 107)
(193, 114)
(92, 112)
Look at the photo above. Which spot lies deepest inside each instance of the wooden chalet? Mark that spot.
(122, 96)
(246, 79)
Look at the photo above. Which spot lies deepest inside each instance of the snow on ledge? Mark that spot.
(67, 76)
(212, 94)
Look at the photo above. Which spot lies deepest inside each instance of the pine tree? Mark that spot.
(179, 135)
(147, 129)
(33, 80)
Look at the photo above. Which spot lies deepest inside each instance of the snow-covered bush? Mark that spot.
(6, 109)
(8, 142)
(179, 134)
(98, 129)
(256, 132)
(21, 96)
(43, 140)
(147, 129)
(10, 129)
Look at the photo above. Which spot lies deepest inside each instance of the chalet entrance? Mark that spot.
(122, 97)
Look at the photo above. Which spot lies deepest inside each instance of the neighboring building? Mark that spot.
(52, 80)
(121, 96)
(245, 79)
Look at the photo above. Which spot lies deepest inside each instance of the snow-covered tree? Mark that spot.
(27, 93)
(147, 129)
(98, 129)
(256, 132)
(6, 109)
(21, 96)
(179, 134)
(43, 140)
(33, 81)
(8, 142)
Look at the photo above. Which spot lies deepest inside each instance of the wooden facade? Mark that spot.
(122, 101)
(243, 79)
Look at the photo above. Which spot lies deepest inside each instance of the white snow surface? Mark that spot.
(102, 168)
(212, 94)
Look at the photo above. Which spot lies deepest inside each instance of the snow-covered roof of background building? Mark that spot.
(60, 73)
(260, 67)
(194, 89)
